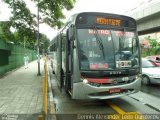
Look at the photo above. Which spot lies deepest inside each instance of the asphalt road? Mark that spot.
(151, 89)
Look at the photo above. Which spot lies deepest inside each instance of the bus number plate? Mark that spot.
(115, 90)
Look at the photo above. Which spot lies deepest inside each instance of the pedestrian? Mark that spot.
(26, 60)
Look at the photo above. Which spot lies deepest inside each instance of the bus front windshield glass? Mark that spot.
(101, 49)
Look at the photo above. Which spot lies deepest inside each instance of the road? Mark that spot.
(151, 89)
(137, 104)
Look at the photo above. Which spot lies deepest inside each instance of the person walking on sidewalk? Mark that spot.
(26, 60)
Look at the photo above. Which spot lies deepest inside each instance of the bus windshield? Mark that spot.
(103, 49)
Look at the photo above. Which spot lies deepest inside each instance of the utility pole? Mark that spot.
(24, 42)
(38, 40)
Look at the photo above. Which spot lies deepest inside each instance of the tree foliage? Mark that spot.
(25, 22)
(153, 47)
(5, 33)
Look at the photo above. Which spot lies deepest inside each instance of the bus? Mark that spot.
(97, 56)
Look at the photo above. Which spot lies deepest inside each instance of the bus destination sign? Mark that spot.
(108, 21)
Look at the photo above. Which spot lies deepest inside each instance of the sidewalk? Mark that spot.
(21, 91)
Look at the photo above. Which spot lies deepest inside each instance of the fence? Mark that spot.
(11, 56)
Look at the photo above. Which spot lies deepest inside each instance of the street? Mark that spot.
(151, 89)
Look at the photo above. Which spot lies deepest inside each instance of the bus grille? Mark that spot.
(118, 82)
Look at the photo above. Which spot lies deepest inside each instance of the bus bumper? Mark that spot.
(86, 91)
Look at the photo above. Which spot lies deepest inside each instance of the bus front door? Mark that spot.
(69, 64)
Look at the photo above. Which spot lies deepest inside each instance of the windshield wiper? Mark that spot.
(99, 40)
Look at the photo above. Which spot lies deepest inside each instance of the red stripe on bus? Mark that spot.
(100, 80)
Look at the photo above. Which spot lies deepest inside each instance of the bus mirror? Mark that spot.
(70, 33)
(63, 35)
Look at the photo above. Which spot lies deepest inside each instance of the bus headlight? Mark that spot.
(85, 81)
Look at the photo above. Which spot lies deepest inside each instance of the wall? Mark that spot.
(11, 56)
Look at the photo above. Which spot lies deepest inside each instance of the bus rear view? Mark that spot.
(103, 59)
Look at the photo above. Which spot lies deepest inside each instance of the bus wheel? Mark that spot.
(145, 80)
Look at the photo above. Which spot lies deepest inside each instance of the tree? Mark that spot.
(154, 46)
(44, 43)
(52, 10)
(153, 43)
(5, 33)
(22, 20)
(25, 22)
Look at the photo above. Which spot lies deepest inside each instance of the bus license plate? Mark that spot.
(115, 90)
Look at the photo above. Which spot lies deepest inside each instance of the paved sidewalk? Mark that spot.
(21, 91)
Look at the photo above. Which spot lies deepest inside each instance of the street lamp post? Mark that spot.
(38, 39)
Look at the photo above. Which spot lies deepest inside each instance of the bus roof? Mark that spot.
(74, 17)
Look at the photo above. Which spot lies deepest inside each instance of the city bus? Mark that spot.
(97, 56)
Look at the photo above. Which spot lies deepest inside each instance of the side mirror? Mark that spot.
(70, 33)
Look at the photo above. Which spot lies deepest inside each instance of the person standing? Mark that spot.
(26, 60)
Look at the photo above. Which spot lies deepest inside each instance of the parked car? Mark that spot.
(155, 59)
(150, 72)
(155, 63)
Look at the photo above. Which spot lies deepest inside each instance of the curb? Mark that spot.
(51, 104)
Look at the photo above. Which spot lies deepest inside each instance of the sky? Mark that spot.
(109, 6)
